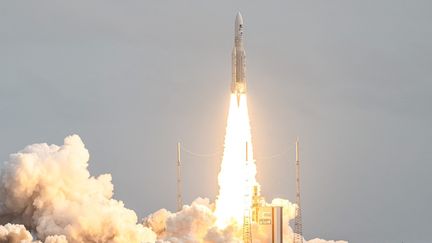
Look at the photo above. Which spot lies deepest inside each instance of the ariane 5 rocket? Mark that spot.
(238, 85)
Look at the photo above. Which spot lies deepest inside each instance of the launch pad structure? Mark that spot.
(268, 214)
(260, 212)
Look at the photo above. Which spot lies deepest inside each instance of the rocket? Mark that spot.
(238, 85)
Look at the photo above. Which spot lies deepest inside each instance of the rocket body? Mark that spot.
(238, 85)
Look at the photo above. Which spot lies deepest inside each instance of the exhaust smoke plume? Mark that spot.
(237, 176)
(14, 233)
(48, 195)
(49, 190)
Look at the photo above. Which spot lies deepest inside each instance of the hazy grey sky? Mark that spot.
(351, 78)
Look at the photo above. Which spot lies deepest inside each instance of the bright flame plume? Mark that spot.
(237, 175)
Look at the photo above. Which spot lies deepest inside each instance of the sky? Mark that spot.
(351, 79)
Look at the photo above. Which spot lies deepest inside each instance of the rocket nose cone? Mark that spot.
(239, 19)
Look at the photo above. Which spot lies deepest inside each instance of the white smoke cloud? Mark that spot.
(194, 224)
(191, 224)
(17, 233)
(56, 239)
(49, 189)
(317, 240)
(14, 233)
(157, 222)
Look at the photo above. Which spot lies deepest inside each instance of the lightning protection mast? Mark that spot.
(179, 182)
(247, 233)
(298, 234)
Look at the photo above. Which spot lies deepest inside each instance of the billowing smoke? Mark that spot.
(196, 224)
(48, 195)
(14, 233)
(316, 240)
(49, 190)
(17, 233)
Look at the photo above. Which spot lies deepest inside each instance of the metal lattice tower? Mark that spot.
(298, 234)
(247, 233)
(179, 186)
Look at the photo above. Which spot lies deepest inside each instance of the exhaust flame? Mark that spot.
(237, 175)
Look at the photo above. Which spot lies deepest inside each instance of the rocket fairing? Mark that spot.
(238, 85)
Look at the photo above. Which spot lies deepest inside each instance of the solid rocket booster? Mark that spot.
(238, 85)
